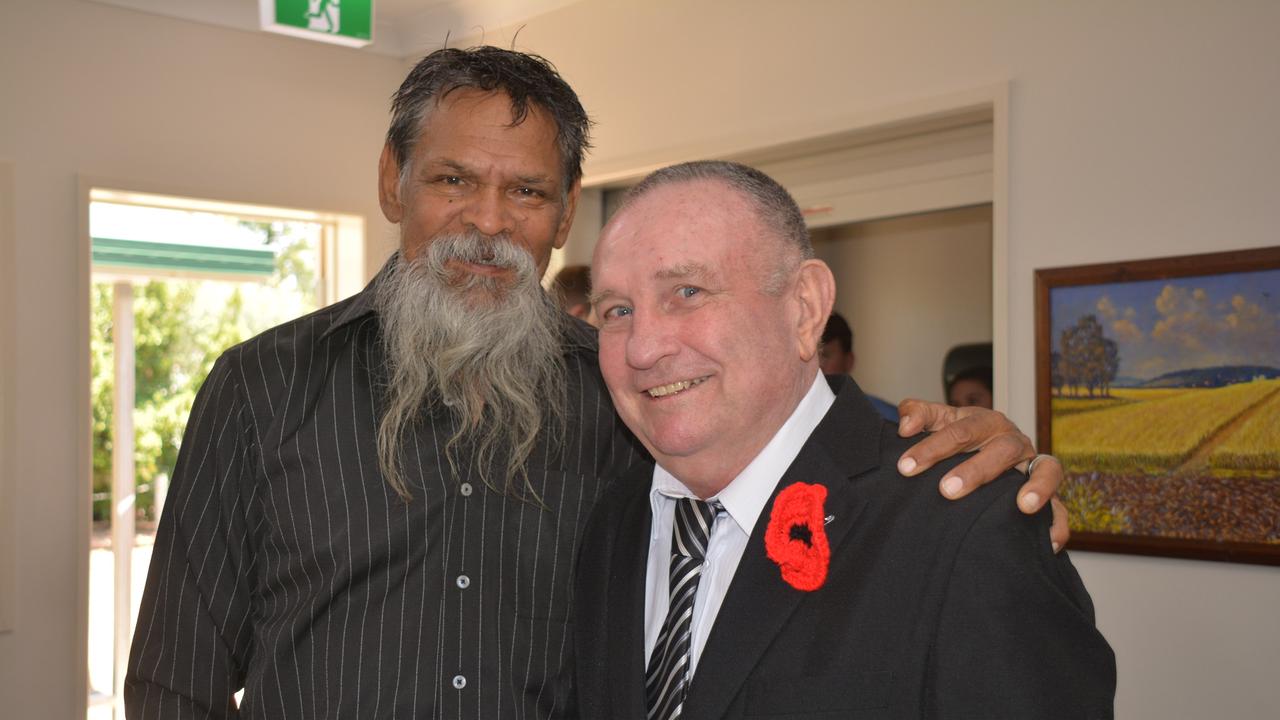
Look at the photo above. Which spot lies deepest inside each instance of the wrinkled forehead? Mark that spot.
(468, 124)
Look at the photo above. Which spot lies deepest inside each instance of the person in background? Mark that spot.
(971, 388)
(966, 376)
(836, 357)
(572, 289)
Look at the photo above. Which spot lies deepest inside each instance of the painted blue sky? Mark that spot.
(1167, 325)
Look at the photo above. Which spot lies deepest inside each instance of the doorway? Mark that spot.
(174, 282)
(911, 288)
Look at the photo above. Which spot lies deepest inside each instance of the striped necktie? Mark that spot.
(667, 677)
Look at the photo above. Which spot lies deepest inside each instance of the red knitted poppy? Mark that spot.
(797, 513)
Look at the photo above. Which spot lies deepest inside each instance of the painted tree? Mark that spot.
(1075, 359)
(1089, 360)
(1111, 364)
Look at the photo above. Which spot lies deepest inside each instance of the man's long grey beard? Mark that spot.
(490, 350)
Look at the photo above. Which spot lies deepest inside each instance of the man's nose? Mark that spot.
(651, 339)
(488, 211)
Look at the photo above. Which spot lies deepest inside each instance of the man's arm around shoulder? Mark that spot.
(1016, 635)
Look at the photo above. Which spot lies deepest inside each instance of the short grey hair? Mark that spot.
(773, 205)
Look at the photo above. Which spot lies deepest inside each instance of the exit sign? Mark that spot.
(343, 22)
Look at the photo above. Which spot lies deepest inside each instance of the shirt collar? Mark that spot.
(744, 498)
(363, 302)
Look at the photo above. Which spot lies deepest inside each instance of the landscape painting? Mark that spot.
(1158, 387)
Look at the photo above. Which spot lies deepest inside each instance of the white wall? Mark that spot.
(905, 323)
(1137, 129)
(167, 106)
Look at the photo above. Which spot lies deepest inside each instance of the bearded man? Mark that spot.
(376, 507)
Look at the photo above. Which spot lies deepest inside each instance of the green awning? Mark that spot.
(199, 259)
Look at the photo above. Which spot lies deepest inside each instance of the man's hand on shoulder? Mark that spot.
(999, 446)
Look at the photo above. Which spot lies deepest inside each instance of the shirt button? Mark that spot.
(465, 489)
(464, 582)
(459, 682)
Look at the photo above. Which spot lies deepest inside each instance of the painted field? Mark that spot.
(1146, 394)
(1153, 437)
(1237, 509)
(1253, 446)
(1063, 406)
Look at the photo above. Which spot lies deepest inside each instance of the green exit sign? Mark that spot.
(344, 22)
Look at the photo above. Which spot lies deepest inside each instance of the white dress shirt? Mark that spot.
(743, 500)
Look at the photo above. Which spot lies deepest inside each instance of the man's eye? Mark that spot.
(530, 192)
(617, 311)
(688, 292)
(449, 180)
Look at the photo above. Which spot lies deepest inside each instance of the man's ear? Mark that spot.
(815, 294)
(389, 185)
(566, 217)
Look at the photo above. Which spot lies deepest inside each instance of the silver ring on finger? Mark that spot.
(1031, 466)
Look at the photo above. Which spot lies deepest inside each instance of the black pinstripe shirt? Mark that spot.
(284, 562)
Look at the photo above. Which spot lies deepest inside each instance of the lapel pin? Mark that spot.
(827, 520)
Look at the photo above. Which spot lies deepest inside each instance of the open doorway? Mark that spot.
(911, 287)
(174, 282)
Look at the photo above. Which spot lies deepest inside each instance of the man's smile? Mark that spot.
(675, 387)
(479, 268)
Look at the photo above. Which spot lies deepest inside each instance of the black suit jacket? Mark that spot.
(931, 608)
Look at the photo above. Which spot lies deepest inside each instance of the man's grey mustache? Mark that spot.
(476, 247)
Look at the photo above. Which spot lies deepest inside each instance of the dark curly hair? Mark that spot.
(524, 77)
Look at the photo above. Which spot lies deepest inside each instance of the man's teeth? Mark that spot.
(673, 388)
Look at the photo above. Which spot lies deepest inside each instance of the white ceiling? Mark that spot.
(402, 28)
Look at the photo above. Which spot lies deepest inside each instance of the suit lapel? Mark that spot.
(759, 602)
(626, 602)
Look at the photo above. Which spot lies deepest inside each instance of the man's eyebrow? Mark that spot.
(435, 164)
(454, 165)
(682, 271)
(595, 297)
(534, 179)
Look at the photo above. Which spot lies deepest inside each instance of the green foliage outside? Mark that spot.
(180, 329)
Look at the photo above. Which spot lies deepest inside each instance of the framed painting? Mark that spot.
(1158, 387)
